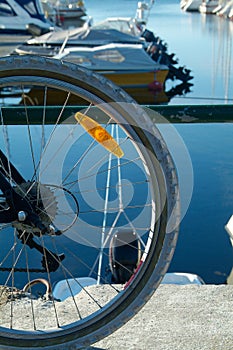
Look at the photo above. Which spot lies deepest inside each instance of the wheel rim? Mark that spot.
(134, 203)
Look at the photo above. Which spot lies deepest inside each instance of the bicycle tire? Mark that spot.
(158, 174)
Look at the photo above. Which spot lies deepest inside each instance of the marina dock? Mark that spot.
(186, 317)
(9, 42)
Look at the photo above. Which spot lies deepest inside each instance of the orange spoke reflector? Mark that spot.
(99, 134)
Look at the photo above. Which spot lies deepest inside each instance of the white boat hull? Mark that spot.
(209, 6)
(14, 18)
(190, 5)
(181, 278)
(226, 11)
(229, 229)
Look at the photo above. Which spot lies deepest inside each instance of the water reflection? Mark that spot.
(204, 44)
(204, 246)
(220, 32)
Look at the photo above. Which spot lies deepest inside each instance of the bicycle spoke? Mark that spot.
(84, 202)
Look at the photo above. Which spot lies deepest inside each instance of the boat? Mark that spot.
(116, 34)
(226, 11)
(230, 15)
(23, 16)
(61, 12)
(126, 65)
(102, 48)
(112, 30)
(182, 278)
(69, 9)
(72, 286)
(229, 229)
(190, 5)
(209, 6)
(123, 50)
(87, 35)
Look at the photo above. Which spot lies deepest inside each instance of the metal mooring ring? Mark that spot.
(36, 281)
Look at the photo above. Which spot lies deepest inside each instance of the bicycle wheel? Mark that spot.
(89, 203)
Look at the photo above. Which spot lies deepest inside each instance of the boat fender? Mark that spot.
(125, 254)
(155, 86)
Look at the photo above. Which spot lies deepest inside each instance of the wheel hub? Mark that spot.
(44, 206)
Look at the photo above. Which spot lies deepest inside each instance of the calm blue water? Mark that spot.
(204, 45)
(203, 246)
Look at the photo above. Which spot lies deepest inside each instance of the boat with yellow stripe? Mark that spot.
(127, 65)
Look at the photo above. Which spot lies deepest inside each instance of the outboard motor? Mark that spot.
(125, 254)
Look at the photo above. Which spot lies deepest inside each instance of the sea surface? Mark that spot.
(202, 43)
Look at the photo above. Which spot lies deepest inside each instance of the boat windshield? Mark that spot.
(124, 25)
(33, 7)
(5, 9)
(109, 55)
